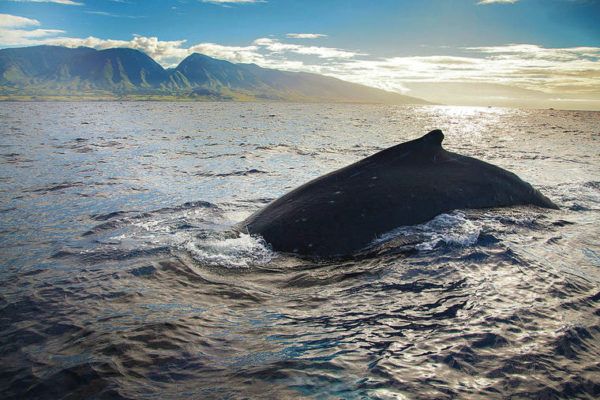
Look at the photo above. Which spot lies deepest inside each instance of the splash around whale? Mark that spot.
(340, 213)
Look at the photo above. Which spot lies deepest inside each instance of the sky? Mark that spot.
(536, 53)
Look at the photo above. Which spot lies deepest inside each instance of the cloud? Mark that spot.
(483, 2)
(573, 69)
(18, 37)
(64, 2)
(305, 35)
(168, 53)
(164, 52)
(275, 46)
(562, 70)
(237, 54)
(14, 21)
(535, 52)
(16, 31)
(107, 14)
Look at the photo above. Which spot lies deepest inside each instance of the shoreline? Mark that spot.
(174, 99)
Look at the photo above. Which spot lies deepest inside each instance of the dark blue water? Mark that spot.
(121, 278)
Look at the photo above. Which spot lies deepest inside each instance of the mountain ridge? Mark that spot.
(56, 72)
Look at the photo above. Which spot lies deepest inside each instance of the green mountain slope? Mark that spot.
(54, 72)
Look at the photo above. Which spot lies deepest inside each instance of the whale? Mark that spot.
(342, 212)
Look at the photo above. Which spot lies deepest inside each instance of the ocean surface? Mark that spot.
(120, 277)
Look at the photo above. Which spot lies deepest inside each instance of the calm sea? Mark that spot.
(120, 277)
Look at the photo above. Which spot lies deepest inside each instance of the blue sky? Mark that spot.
(382, 27)
(392, 44)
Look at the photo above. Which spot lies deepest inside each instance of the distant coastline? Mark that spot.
(182, 98)
(100, 98)
(56, 73)
(49, 73)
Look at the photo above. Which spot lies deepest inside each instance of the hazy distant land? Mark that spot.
(62, 73)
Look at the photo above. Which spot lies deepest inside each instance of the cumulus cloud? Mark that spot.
(305, 35)
(64, 2)
(483, 2)
(165, 52)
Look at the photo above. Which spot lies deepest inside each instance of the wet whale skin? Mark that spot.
(342, 212)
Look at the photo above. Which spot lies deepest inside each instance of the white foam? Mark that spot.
(236, 215)
(453, 229)
(208, 238)
(242, 251)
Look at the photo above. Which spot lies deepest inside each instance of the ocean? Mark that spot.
(120, 277)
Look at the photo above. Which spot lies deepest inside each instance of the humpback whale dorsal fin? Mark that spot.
(436, 137)
(424, 148)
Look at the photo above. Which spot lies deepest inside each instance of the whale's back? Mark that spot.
(343, 211)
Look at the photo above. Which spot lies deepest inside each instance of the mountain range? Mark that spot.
(62, 72)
